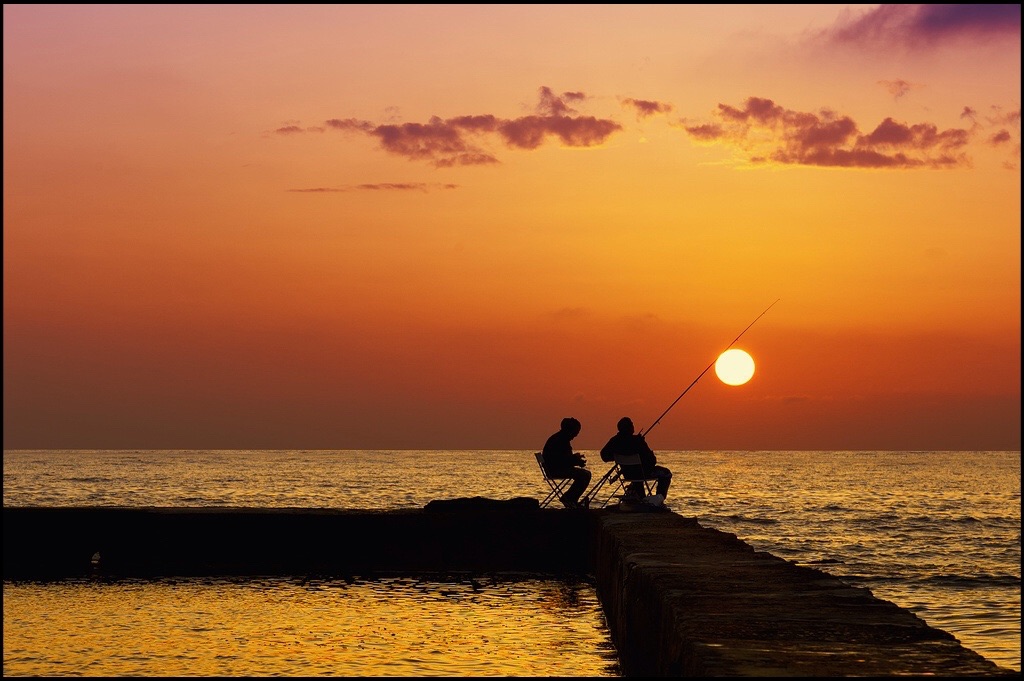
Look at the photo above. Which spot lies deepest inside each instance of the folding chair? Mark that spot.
(619, 482)
(557, 485)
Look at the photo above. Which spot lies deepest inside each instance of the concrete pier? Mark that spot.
(680, 599)
(683, 600)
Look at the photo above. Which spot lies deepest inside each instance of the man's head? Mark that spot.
(571, 426)
(626, 425)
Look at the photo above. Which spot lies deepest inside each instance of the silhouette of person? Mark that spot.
(627, 443)
(561, 462)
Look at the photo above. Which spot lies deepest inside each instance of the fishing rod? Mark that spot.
(592, 493)
(643, 433)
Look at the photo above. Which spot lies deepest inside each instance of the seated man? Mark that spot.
(626, 443)
(561, 462)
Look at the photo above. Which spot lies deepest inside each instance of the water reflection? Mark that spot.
(491, 625)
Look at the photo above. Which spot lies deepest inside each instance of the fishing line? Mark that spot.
(643, 433)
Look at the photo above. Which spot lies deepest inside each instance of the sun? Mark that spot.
(734, 367)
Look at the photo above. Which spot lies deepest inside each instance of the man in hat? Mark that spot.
(627, 443)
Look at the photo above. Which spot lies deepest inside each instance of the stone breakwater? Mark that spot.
(680, 599)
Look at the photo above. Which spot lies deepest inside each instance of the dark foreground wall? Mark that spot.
(459, 535)
(681, 600)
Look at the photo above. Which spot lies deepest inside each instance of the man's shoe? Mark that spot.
(568, 503)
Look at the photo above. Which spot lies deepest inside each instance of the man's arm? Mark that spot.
(645, 451)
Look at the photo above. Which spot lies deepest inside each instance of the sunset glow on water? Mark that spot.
(498, 625)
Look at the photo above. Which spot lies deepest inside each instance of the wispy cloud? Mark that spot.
(1000, 129)
(461, 141)
(768, 133)
(898, 88)
(645, 108)
(383, 186)
(913, 26)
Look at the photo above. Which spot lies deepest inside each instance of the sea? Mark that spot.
(935, 532)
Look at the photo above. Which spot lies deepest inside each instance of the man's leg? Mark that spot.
(664, 476)
(580, 480)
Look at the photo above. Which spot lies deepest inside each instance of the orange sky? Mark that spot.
(443, 226)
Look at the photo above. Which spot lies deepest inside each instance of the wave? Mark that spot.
(945, 581)
(926, 520)
(969, 581)
(738, 518)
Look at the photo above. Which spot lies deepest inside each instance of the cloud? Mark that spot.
(553, 105)
(445, 142)
(1001, 137)
(1000, 129)
(897, 88)
(914, 26)
(646, 108)
(763, 131)
(769, 133)
(383, 186)
(460, 141)
(1000, 117)
(529, 132)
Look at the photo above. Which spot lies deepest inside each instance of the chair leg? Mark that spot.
(547, 500)
(591, 495)
(557, 490)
